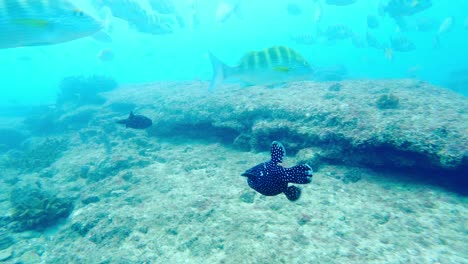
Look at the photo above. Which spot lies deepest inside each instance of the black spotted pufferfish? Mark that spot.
(271, 178)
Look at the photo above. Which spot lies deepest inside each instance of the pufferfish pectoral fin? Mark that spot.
(277, 151)
(301, 174)
(293, 193)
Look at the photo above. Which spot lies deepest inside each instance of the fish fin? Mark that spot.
(277, 151)
(219, 71)
(131, 115)
(293, 193)
(300, 174)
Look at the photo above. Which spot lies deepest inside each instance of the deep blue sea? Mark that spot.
(32, 74)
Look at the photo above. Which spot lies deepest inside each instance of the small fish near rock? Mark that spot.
(270, 178)
(136, 121)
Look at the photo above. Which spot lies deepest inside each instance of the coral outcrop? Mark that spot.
(36, 209)
(389, 123)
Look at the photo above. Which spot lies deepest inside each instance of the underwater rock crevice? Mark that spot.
(381, 123)
(204, 131)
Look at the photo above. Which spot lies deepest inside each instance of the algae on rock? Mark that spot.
(38, 156)
(36, 209)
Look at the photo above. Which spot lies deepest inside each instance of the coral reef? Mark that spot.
(80, 90)
(37, 155)
(110, 167)
(343, 122)
(387, 101)
(36, 209)
(44, 121)
(54, 121)
(196, 207)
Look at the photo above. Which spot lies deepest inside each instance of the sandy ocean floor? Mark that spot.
(139, 197)
(190, 205)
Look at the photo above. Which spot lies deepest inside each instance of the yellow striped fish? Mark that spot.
(271, 66)
(43, 22)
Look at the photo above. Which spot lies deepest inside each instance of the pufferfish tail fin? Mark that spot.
(301, 174)
(293, 193)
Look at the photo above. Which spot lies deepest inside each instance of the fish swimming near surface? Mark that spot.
(445, 27)
(398, 9)
(271, 178)
(226, 9)
(336, 32)
(401, 44)
(303, 39)
(139, 17)
(271, 66)
(167, 8)
(41, 22)
(136, 121)
(293, 9)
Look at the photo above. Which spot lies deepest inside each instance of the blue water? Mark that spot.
(32, 74)
(84, 181)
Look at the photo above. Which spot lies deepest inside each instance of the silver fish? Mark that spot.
(139, 16)
(43, 22)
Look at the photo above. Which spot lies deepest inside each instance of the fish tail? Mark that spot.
(219, 71)
(300, 174)
(293, 193)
